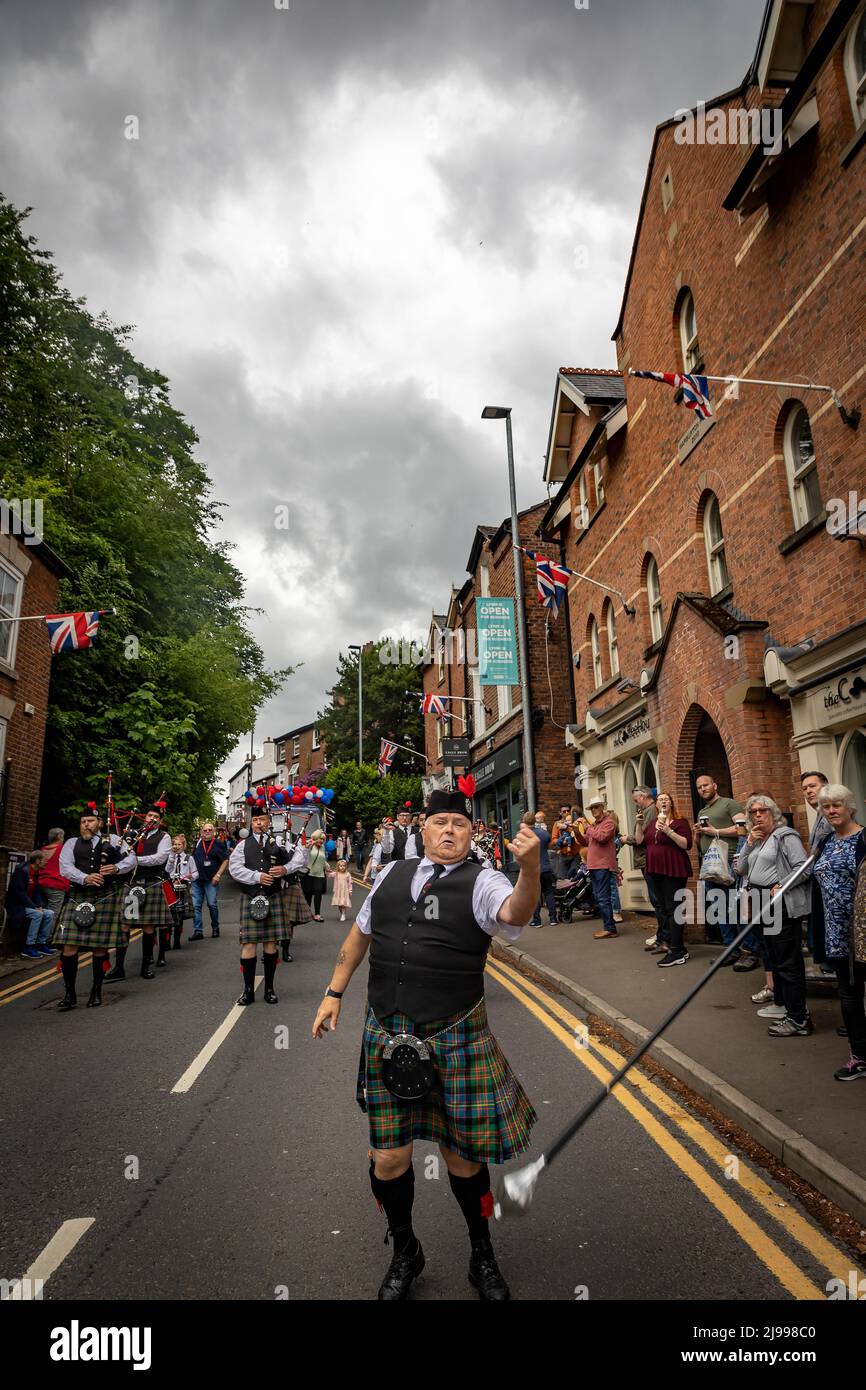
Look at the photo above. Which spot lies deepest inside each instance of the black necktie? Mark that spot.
(438, 871)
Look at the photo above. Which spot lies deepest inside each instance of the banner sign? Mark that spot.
(497, 641)
(455, 752)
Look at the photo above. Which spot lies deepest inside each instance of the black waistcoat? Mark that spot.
(89, 856)
(398, 836)
(149, 844)
(261, 860)
(426, 967)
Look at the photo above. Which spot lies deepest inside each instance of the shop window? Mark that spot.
(654, 599)
(11, 585)
(612, 647)
(854, 771)
(714, 540)
(855, 67)
(689, 333)
(801, 468)
(595, 645)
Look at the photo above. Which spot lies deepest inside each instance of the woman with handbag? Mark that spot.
(841, 876)
(771, 853)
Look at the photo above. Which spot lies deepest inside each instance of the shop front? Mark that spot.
(620, 751)
(826, 687)
(499, 787)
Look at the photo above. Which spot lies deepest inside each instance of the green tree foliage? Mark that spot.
(361, 794)
(176, 676)
(388, 711)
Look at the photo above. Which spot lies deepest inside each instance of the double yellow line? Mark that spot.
(46, 977)
(593, 1054)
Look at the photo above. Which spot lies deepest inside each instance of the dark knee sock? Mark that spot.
(69, 966)
(395, 1196)
(475, 1201)
(120, 957)
(249, 969)
(146, 947)
(163, 935)
(98, 972)
(270, 959)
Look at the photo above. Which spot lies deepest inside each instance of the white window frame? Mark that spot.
(439, 739)
(798, 472)
(485, 578)
(856, 81)
(18, 579)
(595, 648)
(583, 493)
(317, 742)
(689, 342)
(479, 709)
(717, 565)
(598, 475)
(612, 645)
(296, 747)
(504, 701)
(440, 656)
(654, 599)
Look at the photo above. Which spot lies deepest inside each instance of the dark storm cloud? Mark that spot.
(340, 384)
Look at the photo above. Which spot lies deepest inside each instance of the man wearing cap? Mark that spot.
(91, 914)
(145, 904)
(430, 1067)
(599, 839)
(259, 865)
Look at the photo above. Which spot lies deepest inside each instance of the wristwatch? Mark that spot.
(332, 994)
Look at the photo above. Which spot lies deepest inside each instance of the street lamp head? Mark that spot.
(495, 412)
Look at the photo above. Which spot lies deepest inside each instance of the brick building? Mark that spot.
(747, 651)
(297, 753)
(29, 579)
(493, 716)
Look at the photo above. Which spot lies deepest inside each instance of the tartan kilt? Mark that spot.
(477, 1107)
(276, 926)
(153, 912)
(106, 929)
(295, 904)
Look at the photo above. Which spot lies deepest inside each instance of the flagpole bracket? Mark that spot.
(628, 610)
(851, 418)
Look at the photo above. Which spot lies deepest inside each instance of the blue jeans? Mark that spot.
(40, 921)
(718, 900)
(201, 891)
(601, 881)
(614, 894)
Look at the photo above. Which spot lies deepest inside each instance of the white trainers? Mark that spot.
(764, 996)
(772, 1011)
(650, 942)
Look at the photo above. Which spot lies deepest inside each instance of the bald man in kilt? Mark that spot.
(259, 865)
(428, 924)
(91, 914)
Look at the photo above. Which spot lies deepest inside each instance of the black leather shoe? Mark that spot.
(112, 975)
(270, 997)
(68, 1002)
(402, 1272)
(95, 999)
(215, 933)
(248, 997)
(147, 972)
(484, 1274)
(159, 962)
(286, 953)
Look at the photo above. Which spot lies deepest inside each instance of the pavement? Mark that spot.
(244, 1176)
(780, 1090)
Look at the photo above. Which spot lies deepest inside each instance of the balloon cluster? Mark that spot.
(289, 796)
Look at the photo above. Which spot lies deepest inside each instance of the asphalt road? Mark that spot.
(252, 1184)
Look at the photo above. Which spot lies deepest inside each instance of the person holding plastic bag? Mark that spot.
(715, 831)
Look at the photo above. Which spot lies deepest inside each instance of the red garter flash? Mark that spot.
(487, 1205)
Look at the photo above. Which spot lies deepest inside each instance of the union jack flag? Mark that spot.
(71, 632)
(696, 391)
(552, 580)
(433, 704)
(386, 756)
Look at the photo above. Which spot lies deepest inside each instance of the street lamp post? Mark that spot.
(503, 412)
(360, 652)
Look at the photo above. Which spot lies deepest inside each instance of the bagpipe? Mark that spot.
(274, 802)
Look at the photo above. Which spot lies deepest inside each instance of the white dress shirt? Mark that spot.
(239, 870)
(490, 892)
(181, 865)
(68, 868)
(163, 850)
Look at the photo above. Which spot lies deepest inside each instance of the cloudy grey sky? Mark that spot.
(344, 227)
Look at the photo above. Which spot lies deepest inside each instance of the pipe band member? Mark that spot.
(91, 862)
(149, 910)
(259, 865)
(428, 924)
(183, 872)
